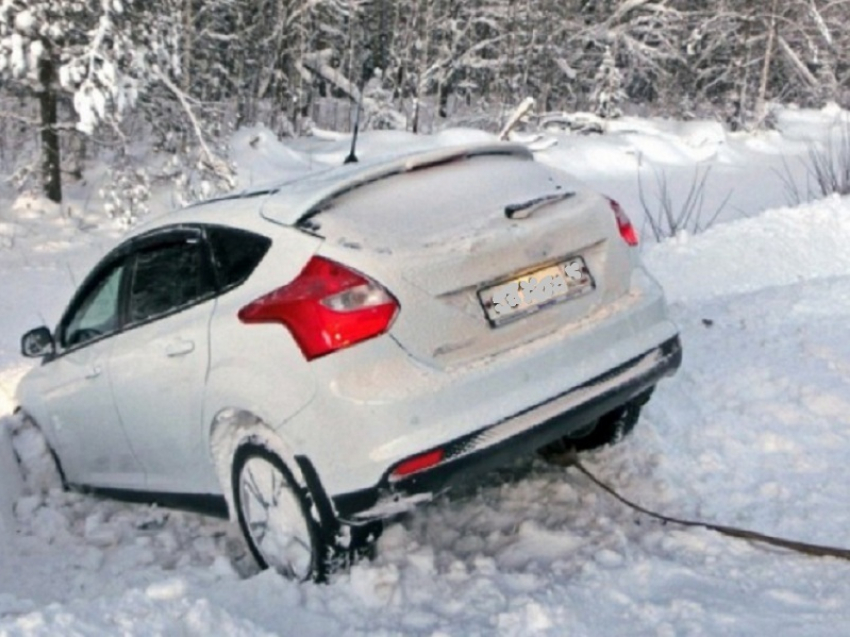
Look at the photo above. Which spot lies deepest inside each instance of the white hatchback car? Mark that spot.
(317, 356)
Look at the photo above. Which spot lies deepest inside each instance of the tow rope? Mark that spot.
(570, 459)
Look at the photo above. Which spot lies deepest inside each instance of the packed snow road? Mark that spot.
(754, 431)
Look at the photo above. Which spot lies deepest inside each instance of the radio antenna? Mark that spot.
(354, 57)
(352, 154)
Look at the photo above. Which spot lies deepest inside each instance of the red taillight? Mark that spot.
(327, 307)
(624, 224)
(417, 463)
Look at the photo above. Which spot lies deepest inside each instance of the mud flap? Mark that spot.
(348, 543)
(323, 509)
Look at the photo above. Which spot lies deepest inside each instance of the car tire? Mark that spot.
(608, 429)
(274, 516)
(40, 467)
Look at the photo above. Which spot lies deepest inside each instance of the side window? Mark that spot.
(236, 253)
(98, 312)
(166, 278)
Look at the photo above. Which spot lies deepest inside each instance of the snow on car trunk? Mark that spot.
(484, 253)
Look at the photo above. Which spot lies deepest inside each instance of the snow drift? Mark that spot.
(754, 431)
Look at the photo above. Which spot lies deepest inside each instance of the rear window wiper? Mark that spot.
(524, 209)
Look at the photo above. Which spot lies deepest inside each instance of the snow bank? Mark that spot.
(11, 487)
(160, 609)
(801, 124)
(263, 158)
(779, 247)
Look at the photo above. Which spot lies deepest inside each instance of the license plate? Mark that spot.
(514, 298)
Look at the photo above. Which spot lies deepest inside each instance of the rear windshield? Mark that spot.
(424, 206)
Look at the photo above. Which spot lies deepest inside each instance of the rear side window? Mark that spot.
(167, 278)
(236, 253)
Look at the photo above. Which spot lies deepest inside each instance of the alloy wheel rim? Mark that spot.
(274, 519)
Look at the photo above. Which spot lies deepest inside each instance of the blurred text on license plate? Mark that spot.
(511, 299)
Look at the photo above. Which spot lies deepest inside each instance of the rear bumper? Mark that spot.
(517, 435)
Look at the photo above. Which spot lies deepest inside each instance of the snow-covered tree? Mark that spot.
(608, 93)
(101, 53)
(183, 74)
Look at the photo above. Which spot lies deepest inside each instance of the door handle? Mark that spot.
(179, 348)
(94, 372)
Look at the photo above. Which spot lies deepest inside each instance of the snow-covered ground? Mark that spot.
(754, 431)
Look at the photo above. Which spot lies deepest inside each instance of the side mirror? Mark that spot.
(38, 343)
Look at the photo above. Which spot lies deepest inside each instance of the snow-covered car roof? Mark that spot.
(297, 198)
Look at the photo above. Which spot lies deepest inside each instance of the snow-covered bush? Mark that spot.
(126, 193)
(194, 178)
(379, 111)
(826, 165)
(670, 215)
(608, 94)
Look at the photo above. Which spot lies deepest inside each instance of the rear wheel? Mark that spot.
(608, 429)
(274, 515)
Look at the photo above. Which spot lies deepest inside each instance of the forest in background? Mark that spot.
(116, 79)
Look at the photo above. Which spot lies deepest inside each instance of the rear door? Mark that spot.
(158, 365)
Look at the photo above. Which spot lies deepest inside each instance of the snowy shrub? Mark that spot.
(126, 194)
(608, 93)
(826, 167)
(25, 178)
(195, 178)
(668, 216)
(379, 112)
